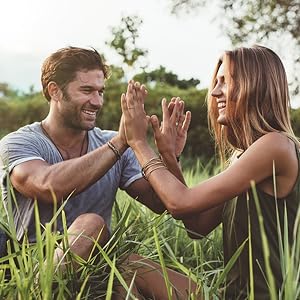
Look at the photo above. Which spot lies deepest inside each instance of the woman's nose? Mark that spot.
(217, 91)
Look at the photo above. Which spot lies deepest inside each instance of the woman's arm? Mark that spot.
(256, 164)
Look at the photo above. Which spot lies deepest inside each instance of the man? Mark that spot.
(65, 154)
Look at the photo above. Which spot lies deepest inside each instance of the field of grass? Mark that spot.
(28, 272)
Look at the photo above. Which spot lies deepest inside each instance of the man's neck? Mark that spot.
(70, 142)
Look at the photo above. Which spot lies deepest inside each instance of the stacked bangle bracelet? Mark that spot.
(153, 164)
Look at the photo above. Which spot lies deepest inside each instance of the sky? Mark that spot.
(30, 30)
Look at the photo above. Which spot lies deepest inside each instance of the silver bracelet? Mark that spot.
(114, 149)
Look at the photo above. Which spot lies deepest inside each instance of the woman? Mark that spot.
(248, 107)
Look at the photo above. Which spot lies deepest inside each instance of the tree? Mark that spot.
(124, 42)
(186, 6)
(256, 21)
(7, 92)
(160, 75)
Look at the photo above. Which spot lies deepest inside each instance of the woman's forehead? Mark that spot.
(221, 71)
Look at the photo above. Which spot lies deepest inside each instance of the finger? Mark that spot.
(144, 93)
(165, 111)
(155, 125)
(175, 112)
(131, 90)
(171, 106)
(130, 97)
(138, 91)
(187, 121)
(181, 107)
(180, 121)
(124, 105)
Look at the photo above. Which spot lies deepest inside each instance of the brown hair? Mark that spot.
(257, 99)
(62, 65)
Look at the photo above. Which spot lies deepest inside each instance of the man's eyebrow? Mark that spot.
(90, 87)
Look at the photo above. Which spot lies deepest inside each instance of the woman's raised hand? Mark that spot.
(171, 135)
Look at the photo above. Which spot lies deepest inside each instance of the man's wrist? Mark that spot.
(119, 144)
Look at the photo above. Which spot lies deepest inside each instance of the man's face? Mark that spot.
(83, 100)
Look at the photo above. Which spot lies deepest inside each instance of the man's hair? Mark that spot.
(257, 99)
(62, 65)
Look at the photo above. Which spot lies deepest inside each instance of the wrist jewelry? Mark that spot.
(153, 164)
(114, 149)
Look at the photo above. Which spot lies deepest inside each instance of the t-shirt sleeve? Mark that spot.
(17, 148)
(131, 169)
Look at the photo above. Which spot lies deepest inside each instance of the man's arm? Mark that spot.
(36, 178)
(142, 191)
(201, 224)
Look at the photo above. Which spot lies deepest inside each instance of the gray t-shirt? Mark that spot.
(30, 143)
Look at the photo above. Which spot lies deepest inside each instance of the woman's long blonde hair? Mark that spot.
(257, 101)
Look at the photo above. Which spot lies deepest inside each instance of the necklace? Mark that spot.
(67, 156)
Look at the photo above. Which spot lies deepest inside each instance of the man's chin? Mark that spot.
(91, 127)
(88, 126)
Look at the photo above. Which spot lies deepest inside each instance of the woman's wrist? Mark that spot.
(140, 144)
(169, 157)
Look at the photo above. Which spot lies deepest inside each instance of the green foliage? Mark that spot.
(135, 230)
(6, 91)
(262, 18)
(19, 111)
(160, 75)
(295, 118)
(186, 6)
(124, 40)
(28, 271)
(255, 21)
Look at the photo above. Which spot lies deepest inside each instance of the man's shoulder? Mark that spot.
(24, 135)
(103, 135)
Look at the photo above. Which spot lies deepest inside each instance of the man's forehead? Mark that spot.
(89, 76)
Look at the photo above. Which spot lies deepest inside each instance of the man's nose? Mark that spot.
(96, 99)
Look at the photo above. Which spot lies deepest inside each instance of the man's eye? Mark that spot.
(100, 93)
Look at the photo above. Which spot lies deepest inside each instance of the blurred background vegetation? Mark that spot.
(244, 21)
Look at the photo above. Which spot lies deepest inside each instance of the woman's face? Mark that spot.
(220, 93)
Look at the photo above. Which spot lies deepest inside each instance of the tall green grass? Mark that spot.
(28, 271)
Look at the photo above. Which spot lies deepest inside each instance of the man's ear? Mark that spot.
(54, 91)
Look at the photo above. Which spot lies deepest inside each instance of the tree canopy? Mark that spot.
(255, 21)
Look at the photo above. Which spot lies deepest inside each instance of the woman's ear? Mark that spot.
(54, 91)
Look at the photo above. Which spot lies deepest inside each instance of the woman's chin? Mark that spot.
(222, 120)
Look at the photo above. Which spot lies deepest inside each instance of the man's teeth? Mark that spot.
(221, 104)
(89, 112)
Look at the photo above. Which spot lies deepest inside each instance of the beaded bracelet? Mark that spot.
(114, 149)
